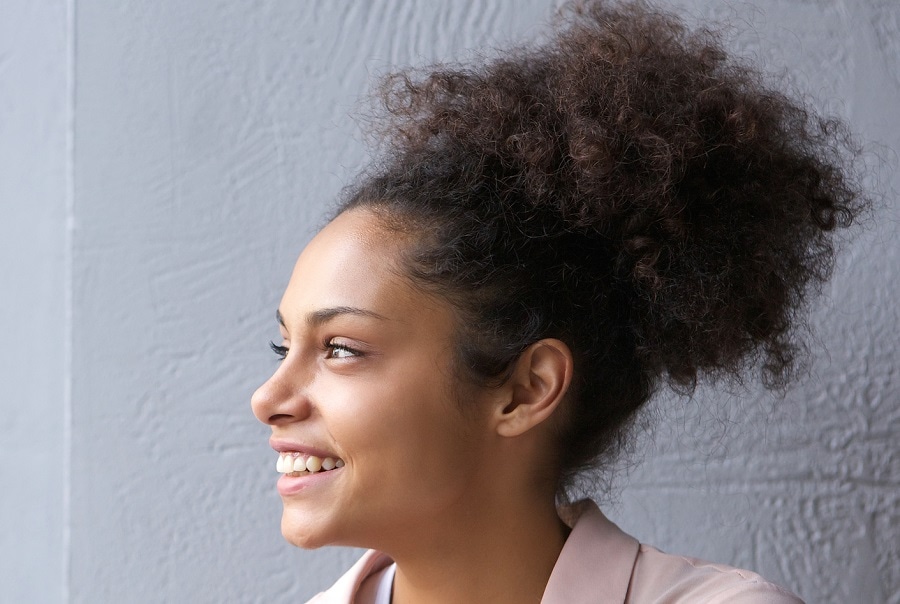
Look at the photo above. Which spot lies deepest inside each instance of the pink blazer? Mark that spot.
(600, 564)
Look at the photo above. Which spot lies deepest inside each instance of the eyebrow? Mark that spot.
(320, 317)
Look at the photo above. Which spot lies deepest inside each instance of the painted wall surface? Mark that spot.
(33, 258)
(209, 138)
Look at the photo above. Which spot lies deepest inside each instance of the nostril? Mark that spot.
(278, 417)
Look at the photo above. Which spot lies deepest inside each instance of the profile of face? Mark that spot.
(367, 387)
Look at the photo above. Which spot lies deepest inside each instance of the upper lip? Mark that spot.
(285, 446)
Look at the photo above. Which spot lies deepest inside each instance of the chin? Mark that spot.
(303, 530)
(300, 534)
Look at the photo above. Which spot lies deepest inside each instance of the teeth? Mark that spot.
(313, 464)
(294, 463)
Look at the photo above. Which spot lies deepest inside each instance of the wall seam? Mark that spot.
(68, 300)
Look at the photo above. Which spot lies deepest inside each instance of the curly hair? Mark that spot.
(626, 187)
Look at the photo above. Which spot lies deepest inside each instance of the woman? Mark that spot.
(551, 237)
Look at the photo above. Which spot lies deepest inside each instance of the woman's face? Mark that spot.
(368, 382)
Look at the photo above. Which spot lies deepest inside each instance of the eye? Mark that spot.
(281, 351)
(335, 350)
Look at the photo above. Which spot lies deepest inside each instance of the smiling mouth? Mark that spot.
(297, 464)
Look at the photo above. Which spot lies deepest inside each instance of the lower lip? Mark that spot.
(291, 485)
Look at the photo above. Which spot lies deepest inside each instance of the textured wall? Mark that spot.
(33, 258)
(209, 137)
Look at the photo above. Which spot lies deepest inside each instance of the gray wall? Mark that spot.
(35, 257)
(163, 163)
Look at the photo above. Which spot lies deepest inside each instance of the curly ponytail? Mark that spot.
(627, 188)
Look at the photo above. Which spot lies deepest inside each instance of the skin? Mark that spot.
(449, 479)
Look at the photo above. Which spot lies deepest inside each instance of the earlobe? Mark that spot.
(536, 387)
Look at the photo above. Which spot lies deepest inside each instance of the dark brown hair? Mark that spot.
(626, 187)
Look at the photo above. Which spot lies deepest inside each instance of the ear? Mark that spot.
(535, 388)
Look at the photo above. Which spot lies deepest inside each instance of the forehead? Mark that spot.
(355, 262)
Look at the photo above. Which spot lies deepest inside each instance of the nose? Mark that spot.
(281, 399)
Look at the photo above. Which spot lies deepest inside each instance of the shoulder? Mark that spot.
(658, 577)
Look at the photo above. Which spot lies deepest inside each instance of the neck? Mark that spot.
(497, 550)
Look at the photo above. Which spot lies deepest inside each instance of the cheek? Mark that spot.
(405, 434)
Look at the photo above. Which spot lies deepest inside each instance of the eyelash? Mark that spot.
(329, 345)
(281, 351)
(332, 348)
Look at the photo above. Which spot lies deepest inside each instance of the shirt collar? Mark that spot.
(596, 561)
(344, 590)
